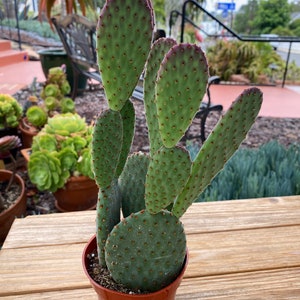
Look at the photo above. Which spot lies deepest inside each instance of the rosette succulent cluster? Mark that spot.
(10, 111)
(60, 150)
(55, 100)
(146, 250)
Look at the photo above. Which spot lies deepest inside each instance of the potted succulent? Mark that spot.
(60, 162)
(53, 101)
(146, 251)
(12, 188)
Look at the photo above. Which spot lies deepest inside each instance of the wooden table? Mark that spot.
(242, 249)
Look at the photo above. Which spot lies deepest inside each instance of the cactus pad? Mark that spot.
(108, 215)
(106, 146)
(123, 25)
(132, 183)
(128, 119)
(168, 172)
(157, 53)
(146, 252)
(181, 85)
(221, 144)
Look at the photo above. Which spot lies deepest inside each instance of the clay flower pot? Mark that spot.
(79, 193)
(18, 209)
(167, 293)
(28, 132)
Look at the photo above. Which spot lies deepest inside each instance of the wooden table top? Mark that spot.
(241, 249)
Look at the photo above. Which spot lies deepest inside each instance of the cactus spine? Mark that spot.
(146, 250)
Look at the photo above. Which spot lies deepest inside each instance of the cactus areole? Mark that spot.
(146, 250)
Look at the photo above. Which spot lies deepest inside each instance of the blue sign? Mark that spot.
(226, 6)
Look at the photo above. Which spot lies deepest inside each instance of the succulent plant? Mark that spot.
(146, 250)
(10, 111)
(60, 150)
(54, 99)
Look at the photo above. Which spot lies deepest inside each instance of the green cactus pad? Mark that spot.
(106, 146)
(181, 85)
(158, 51)
(221, 144)
(146, 252)
(168, 172)
(132, 183)
(108, 215)
(128, 119)
(123, 43)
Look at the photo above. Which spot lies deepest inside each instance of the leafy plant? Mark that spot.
(272, 170)
(146, 250)
(60, 150)
(54, 99)
(10, 111)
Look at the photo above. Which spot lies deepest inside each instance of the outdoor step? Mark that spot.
(5, 45)
(12, 56)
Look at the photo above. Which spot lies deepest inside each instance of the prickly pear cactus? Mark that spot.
(146, 250)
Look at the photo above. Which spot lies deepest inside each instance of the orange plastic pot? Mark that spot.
(167, 293)
(79, 193)
(18, 209)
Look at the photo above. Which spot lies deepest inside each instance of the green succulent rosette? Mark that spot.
(50, 102)
(36, 116)
(68, 159)
(51, 90)
(66, 125)
(44, 141)
(44, 170)
(65, 87)
(67, 105)
(10, 111)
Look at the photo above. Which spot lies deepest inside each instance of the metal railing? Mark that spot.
(231, 33)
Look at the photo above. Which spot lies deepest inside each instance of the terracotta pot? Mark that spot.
(27, 133)
(167, 293)
(18, 209)
(79, 193)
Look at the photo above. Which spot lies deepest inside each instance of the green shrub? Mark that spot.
(271, 170)
(34, 26)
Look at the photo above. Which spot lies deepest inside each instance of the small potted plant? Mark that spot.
(53, 101)
(145, 253)
(12, 188)
(60, 162)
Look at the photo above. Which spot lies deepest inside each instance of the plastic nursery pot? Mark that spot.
(167, 293)
(79, 193)
(18, 209)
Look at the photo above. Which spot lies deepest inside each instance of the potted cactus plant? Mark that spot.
(53, 101)
(12, 188)
(146, 251)
(60, 162)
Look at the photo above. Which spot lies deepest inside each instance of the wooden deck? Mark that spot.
(242, 249)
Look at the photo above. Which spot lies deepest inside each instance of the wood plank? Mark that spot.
(51, 229)
(243, 250)
(200, 218)
(41, 269)
(241, 214)
(282, 284)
